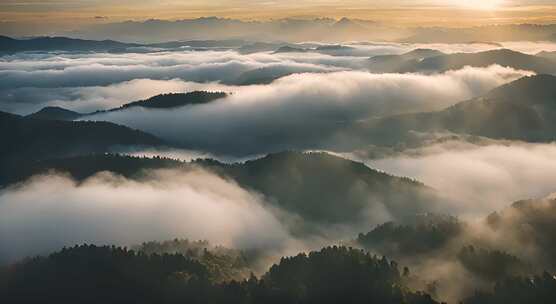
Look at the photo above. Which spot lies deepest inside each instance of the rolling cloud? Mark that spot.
(307, 111)
(49, 212)
(482, 178)
(30, 81)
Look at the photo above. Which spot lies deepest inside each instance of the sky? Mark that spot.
(59, 15)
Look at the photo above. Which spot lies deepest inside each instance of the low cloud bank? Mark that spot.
(482, 178)
(49, 212)
(30, 81)
(307, 111)
(101, 69)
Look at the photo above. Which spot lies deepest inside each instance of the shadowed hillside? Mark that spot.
(55, 113)
(323, 188)
(117, 275)
(315, 187)
(521, 110)
(162, 101)
(173, 100)
(30, 139)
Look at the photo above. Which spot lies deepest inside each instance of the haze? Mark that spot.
(396, 152)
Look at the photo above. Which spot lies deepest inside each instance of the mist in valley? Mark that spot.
(329, 161)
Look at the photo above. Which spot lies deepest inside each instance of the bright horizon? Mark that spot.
(54, 16)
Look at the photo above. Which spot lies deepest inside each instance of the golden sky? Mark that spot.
(401, 12)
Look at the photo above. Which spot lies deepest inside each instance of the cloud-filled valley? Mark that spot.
(27, 76)
(316, 106)
(413, 151)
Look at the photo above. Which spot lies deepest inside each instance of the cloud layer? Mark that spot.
(307, 111)
(481, 178)
(30, 81)
(49, 212)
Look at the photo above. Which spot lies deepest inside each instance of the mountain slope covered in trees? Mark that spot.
(161, 101)
(507, 247)
(173, 100)
(31, 139)
(521, 110)
(317, 187)
(119, 275)
(325, 188)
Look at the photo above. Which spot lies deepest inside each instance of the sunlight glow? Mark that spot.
(487, 5)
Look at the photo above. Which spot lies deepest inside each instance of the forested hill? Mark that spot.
(91, 274)
(162, 101)
(81, 167)
(325, 188)
(173, 100)
(318, 187)
(513, 247)
(31, 139)
(521, 110)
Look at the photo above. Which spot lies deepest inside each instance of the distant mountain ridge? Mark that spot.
(433, 61)
(503, 57)
(162, 101)
(302, 29)
(521, 110)
(11, 45)
(395, 63)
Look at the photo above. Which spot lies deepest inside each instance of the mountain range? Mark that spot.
(162, 101)
(11, 45)
(297, 30)
(503, 57)
(521, 110)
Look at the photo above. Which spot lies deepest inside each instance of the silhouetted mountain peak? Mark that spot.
(55, 113)
(173, 100)
(60, 44)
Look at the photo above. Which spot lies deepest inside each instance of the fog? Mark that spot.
(481, 179)
(484, 178)
(317, 99)
(79, 81)
(307, 111)
(52, 211)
